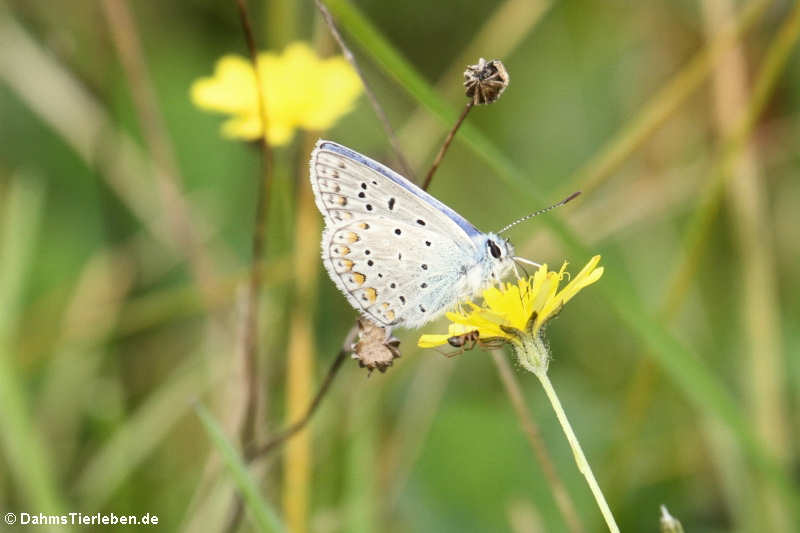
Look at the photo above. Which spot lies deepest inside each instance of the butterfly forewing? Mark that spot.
(391, 248)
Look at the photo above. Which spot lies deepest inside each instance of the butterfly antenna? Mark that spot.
(541, 211)
(526, 261)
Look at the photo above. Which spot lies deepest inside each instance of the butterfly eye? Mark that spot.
(495, 250)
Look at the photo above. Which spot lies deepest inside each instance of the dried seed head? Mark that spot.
(486, 81)
(375, 349)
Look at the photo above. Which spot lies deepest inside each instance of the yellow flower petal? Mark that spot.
(338, 87)
(432, 341)
(300, 91)
(588, 275)
(242, 127)
(230, 90)
(513, 305)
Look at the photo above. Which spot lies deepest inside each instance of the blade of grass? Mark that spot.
(209, 508)
(300, 363)
(166, 172)
(762, 376)
(68, 108)
(142, 431)
(427, 387)
(690, 373)
(664, 103)
(697, 233)
(363, 507)
(24, 448)
(174, 303)
(64, 105)
(700, 223)
(81, 346)
(154, 309)
(262, 513)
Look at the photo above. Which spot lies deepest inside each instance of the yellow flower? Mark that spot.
(516, 312)
(300, 90)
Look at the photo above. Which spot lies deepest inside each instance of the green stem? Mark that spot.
(580, 458)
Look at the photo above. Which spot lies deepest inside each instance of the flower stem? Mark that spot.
(446, 145)
(560, 494)
(580, 458)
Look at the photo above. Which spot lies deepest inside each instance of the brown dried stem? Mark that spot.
(259, 243)
(278, 439)
(446, 144)
(251, 313)
(373, 100)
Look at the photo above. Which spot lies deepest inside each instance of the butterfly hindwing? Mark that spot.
(391, 270)
(392, 249)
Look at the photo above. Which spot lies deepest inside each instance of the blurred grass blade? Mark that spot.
(363, 506)
(81, 121)
(685, 368)
(298, 461)
(700, 223)
(141, 432)
(24, 448)
(262, 513)
(664, 103)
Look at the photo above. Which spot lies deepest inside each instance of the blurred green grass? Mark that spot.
(583, 73)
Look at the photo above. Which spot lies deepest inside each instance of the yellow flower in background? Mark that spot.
(300, 89)
(516, 312)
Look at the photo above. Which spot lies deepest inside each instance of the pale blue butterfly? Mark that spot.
(399, 255)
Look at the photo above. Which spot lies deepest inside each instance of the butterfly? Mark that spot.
(399, 255)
